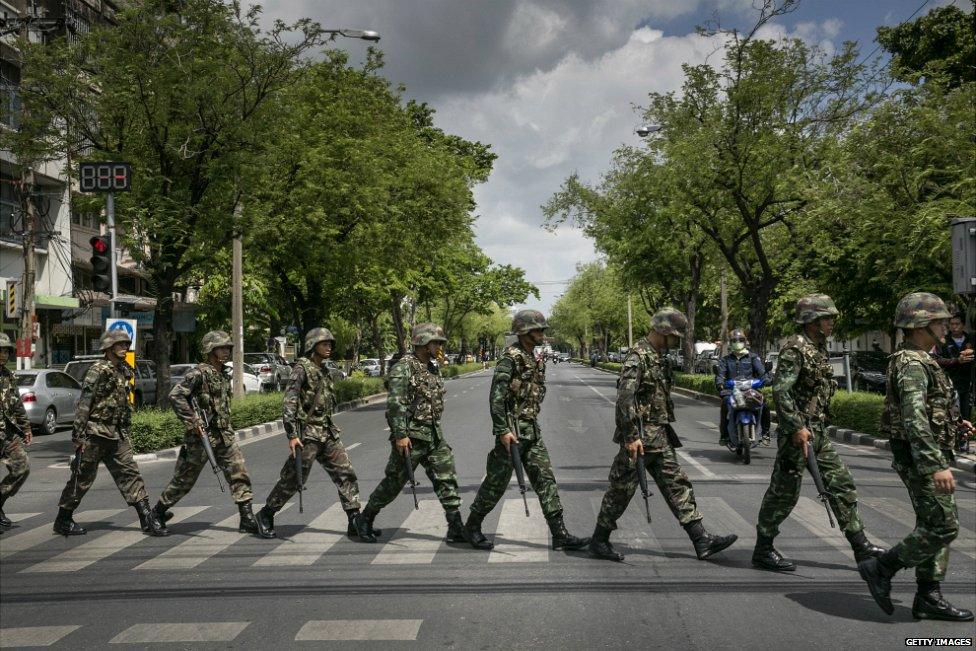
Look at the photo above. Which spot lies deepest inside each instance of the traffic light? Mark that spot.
(101, 262)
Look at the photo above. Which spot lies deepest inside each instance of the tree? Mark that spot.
(941, 45)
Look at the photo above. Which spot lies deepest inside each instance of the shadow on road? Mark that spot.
(858, 607)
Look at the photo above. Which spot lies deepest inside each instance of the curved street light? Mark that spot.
(362, 34)
(645, 130)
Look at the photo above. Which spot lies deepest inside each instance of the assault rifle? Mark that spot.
(641, 468)
(818, 482)
(515, 452)
(203, 426)
(411, 478)
(299, 469)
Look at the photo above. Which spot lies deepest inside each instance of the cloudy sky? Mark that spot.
(552, 86)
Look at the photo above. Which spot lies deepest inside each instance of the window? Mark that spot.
(9, 96)
(59, 381)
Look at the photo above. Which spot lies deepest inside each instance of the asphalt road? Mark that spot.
(208, 585)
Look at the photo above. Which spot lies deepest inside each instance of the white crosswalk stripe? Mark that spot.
(520, 539)
(707, 424)
(105, 545)
(812, 515)
(20, 517)
(203, 545)
(33, 635)
(417, 540)
(632, 531)
(307, 546)
(11, 544)
(359, 629)
(695, 464)
(722, 519)
(895, 509)
(180, 632)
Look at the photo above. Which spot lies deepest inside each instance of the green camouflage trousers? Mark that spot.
(535, 459)
(437, 458)
(13, 455)
(332, 455)
(671, 480)
(116, 454)
(193, 458)
(926, 548)
(784, 485)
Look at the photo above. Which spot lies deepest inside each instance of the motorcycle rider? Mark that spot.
(740, 364)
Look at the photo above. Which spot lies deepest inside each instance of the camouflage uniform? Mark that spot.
(922, 422)
(644, 391)
(414, 408)
(14, 426)
(101, 423)
(210, 389)
(309, 401)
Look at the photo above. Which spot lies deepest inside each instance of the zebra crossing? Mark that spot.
(419, 539)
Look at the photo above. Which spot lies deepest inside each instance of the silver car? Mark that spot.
(49, 397)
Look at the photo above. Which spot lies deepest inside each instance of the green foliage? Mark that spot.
(593, 310)
(858, 411)
(354, 388)
(455, 370)
(940, 46)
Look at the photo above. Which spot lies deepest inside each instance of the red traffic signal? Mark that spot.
(99, 244)
(101, 262)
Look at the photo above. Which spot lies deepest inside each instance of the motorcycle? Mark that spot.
(745, 408)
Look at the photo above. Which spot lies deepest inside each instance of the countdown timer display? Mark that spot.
(105, 177)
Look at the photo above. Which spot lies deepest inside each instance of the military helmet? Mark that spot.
(5, 341)
(424, 333)
(113, 337)
(528, 320)
(814, 306)
(215, 339)
(918, 309)
(669, 321)
(316, 336)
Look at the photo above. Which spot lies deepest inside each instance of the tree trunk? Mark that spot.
(395, 300)
(163, 340)
(377, 341)
(357, 342)
(758, 299)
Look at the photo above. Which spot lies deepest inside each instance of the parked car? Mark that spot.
(252, 381)
(705, 362)
(49, 397)
(144, 389)
(272, 368)
(370, 366)
(868, 369)
(564, 357)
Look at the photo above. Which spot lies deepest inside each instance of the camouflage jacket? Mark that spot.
(104, 408)
(920, 408)
(210, 389)
(803, 386)
(644, 390)
(309, 400)
(14, 421)
(416, 399)
(519, 384)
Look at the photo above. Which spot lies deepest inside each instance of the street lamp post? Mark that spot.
(361, 34)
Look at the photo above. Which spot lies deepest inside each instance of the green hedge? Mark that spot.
(454, 370)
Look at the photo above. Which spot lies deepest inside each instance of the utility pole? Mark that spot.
(27, 209)
(630, 320)
(237, 302)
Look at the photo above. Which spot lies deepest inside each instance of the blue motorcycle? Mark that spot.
(745, 404)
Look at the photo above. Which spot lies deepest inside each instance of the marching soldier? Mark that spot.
(802, 389)
(922, 424)
(308, 404)
(207, 388)
(15, 432)
(414, 408)
(644, 396)
(517, 390)
(100, 434)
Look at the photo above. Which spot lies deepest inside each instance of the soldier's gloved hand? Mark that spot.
(944, 481)
(28, 436)
(293, 444)
(800, 439)
(403, 446)
(507, 439)
(634, 447)
(79, 445)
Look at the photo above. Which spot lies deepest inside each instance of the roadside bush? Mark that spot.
(455, 370)
(357, 387)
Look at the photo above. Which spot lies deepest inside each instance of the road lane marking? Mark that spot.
(720, 518)
(21, 541)
(520, 539)
(359, 629)
(903, 513)
(20, 517)
(698, 466)
(593, 389)
(308, 545)
(707, 424)
(203, 545)
(33, 635)
(181, 632)
(105, 545)
(417, 540)
(353, 446)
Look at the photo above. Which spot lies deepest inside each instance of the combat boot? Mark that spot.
(363, 523)
(163, 514)
(472, 530)
(863, 548)
(455, 528)
(705, 543)
(148, 521)
(4, 520)
(600, 546)
(65, 525)
(265, 518)
(561, 538)
(766, 557)
(351, 527)
(930, 604)
(877, 573)
(250, 524)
